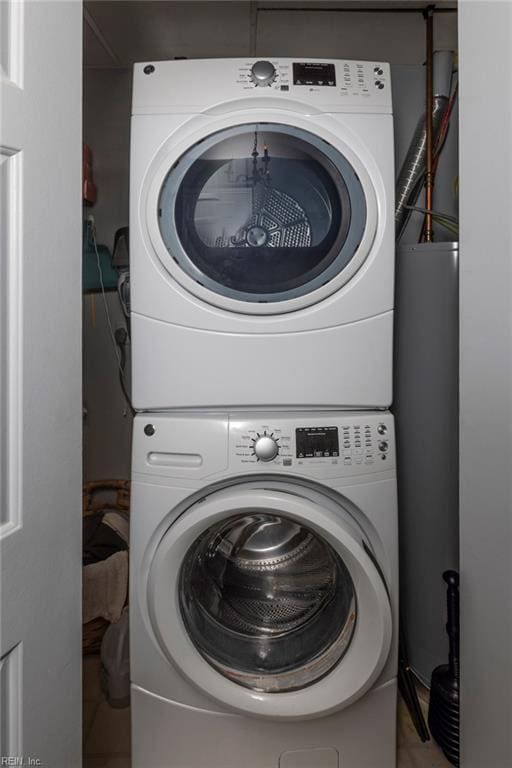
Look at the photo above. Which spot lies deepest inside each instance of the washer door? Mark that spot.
(262, 213)
(267, 600)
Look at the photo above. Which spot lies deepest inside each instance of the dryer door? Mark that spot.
(267, 599)
(263, 213)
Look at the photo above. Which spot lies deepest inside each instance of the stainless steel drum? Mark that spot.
(267, 601)
(277, 221)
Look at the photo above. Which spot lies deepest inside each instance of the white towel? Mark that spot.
(105, 587)
(119, 522)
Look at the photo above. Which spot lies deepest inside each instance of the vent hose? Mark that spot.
(410, 178)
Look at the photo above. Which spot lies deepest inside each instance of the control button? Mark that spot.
(379, 84)
(149, 430)
(266, 448)
(382, 429)
(383, 445)
(288, 462)
(263, 73)
(378, 71)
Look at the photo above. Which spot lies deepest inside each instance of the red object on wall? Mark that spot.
(89, 187)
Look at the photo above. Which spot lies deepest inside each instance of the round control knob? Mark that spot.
(266, 448)
(382, 429)
(383, 445)
(263, 73)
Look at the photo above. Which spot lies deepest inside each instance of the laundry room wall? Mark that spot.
(116, 34)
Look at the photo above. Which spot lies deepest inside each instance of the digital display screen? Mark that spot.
(316, 442)
(305, 73)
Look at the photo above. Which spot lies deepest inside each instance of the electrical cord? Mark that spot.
(120, 337)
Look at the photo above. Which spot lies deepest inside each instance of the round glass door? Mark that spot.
(262, 212)
(264, 596)
(267, 602)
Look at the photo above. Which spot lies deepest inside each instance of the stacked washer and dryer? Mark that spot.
(264, 572)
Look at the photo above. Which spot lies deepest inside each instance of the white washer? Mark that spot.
(264, 584)
(262, 234)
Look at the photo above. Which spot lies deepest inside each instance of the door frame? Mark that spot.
(485, 30)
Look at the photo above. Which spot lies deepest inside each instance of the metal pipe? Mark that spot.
(411, 177)
(428, 232)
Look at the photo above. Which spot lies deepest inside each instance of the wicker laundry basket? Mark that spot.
(93, 631)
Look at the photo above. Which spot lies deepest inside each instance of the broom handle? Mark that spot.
(452, 624)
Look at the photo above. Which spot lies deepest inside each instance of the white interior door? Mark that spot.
(40, 382)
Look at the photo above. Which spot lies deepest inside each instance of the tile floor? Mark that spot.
(106, 731)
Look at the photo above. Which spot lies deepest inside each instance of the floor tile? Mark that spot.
(427, 757)
(412, 753)
(94, 762)
(110, 732)
(119, 762)
(404, 759)
(88, 712)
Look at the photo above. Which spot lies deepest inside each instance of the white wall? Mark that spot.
(108, 420)
(106, 126)
(398, 38)
(107, 424)
(486, 382)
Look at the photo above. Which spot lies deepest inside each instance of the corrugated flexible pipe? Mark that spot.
(410, 178)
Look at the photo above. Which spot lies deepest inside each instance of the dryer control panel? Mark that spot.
(321, 445)
(201, 85)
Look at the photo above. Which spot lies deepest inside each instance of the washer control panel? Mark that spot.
(263, 73)
(265, 442)
(314, 73)
(355, 444)
(316, 442)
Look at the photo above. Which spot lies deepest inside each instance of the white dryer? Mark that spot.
(264, 584)
(262, 234)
